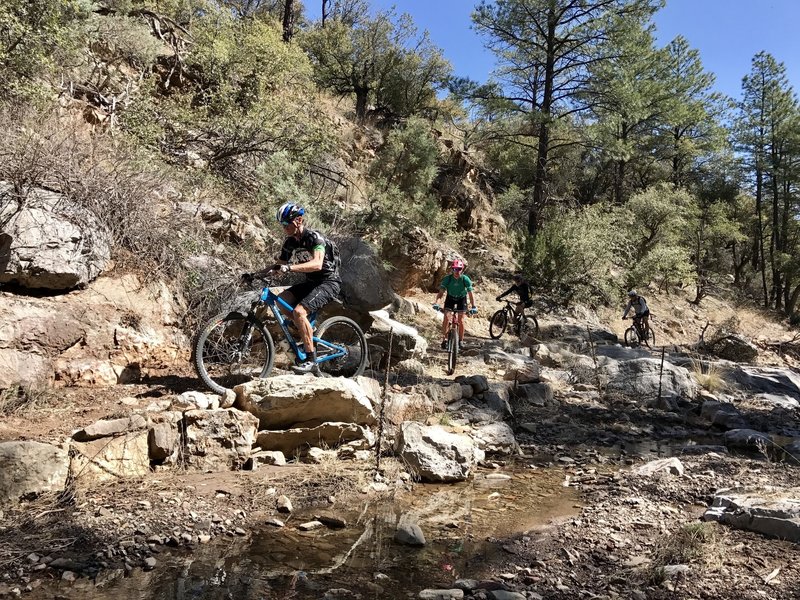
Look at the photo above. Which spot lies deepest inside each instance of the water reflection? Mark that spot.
(461, 523)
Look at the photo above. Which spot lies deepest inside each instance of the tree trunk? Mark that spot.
(288, 20)
(362, 95)
(774, 235)
(539, 199)
(326, 5)
(760, 235)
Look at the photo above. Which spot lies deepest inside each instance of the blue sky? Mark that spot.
(727, 33)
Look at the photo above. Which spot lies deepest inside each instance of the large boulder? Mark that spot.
(734, 348)
(722, 414)
(219, 439)
(30, 468)
(436, 455)
(406, 340)
(766, 380)
(496, 438)
(365, 283)
(641, 378)
(110, 459)
(294, 400)
(48, 241)
(111, 332)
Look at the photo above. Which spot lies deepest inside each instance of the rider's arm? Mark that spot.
(471, 299)
(315, 264)
(627, 309)
(506, 293)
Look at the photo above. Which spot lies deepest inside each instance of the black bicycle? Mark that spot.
(504, 317)
(235, 347)
(635, 335)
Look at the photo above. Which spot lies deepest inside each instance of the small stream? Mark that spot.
(463, 524)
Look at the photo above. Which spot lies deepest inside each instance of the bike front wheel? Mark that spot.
(631, 337)
(340, 348)
(232, 348)
(497, 324)
(452, 350)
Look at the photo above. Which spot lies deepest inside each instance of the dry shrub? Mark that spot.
(121, 188)
(21, 398)
(133, 196)
(699, 544)
(709, 376)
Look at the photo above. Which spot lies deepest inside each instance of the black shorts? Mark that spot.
(313, 295)
(643, 315)
(456, 304)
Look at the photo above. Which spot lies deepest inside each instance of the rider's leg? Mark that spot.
(460, 317)
(646, 324)
(318, 296)
(518, 309)
(300, 318)
(288, 297)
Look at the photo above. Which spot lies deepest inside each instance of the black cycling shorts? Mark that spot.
(313, 295)
(457, 304)
(642, 315)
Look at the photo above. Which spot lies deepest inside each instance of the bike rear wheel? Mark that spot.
(528, 326)
(498, 323)
(232, 348)
(342, 348)
(650, 337)
(452, 350)
(631, 337)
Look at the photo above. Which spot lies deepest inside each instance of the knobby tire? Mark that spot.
(498, 323)
(452, 349)
(345, 332)
(528, 325)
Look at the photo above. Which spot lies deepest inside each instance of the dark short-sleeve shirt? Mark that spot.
(302, 250)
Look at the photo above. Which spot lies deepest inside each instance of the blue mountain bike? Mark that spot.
(236, 347)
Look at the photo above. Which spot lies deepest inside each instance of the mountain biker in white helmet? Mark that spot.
(305, 251)
(638, 304)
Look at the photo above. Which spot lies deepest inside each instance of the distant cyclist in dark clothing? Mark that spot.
(316, 256)
(523, 292)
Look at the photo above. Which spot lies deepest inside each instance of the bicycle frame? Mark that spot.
(274, 302)
(512, 316)
(454, 316)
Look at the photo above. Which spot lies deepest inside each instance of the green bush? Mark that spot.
(574, 254)
(35, 37)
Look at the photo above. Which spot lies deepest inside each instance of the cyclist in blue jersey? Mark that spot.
(457, 286)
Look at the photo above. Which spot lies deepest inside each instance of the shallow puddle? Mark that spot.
(463, 524)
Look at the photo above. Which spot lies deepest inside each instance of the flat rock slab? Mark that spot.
(107, 428)
(773, 512)
(327, 435)
(290, 401)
